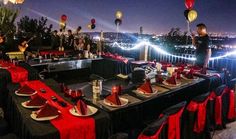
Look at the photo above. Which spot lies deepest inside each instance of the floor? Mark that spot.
(228, 133)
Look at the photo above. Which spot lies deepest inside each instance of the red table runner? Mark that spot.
(18, 74)
(69, 126)
(52, 52)
(116, 57)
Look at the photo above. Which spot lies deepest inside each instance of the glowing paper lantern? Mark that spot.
(192, 15)
(119, 14)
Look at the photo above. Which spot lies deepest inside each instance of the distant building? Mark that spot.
(141, 30)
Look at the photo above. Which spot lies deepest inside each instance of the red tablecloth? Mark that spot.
(52, 52)
(18, 74)
(116, 57)
(69, 126)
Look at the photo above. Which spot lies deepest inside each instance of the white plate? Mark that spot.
(30, 107)
(91, 111)
(25, 95)
(146, 94)
(4, 67)
(123, 101)
(34, 116)
(171, 85)
(185, 78)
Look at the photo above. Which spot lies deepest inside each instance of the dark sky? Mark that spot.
(156, 16)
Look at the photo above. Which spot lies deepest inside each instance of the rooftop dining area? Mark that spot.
(97, 81)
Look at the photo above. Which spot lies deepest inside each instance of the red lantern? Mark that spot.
(189, 4)
(93, 21)
(63, 17)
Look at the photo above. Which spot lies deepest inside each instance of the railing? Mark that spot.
(218, 64)
(227, 63)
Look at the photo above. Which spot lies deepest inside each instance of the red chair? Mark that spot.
(196, 123)
(222, 106)
(154, 130)
(174, 120)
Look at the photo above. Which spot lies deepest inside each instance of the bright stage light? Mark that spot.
(161, 51)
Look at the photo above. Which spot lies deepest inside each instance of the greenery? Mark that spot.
(33, 26)
(7, 19)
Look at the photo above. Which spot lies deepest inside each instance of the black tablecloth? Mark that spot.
(108, 68)
(22, 124)
(135, 115)
(214, 81)
(5, 78)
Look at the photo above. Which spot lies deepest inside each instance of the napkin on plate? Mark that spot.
(146, 87)
(114, 99)
(26, 90)
(172, 80)
(81, 107)
(189, 74)
(36, 100)
(159, 79)
(47, 111)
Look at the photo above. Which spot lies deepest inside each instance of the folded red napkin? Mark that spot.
(26, 90)
(195, 68)
(81, 107)
(172, 80)
(189, 74)
(114, 99)
(36, 100)
(165, 65)
(146, 87)
(159, 79)
(47, 111)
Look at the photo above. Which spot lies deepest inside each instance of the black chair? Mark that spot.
(196, 122)
(174, 120)
(9, 136)
(119, 136)
(216, 108)
(3, 127)
(155, 129)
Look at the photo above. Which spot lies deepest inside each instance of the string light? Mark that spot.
(161, 51)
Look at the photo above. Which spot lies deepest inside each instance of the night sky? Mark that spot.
(156, 16)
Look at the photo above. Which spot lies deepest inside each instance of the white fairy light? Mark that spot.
(159, 50)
